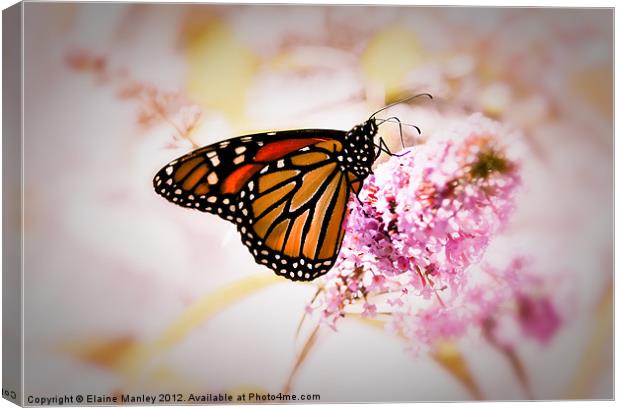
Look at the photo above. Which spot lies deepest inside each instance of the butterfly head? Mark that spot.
(370, 127)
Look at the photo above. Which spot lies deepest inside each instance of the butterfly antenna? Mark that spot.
(401, 101)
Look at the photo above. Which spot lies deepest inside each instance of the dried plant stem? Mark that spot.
(599, 347)
(162, 115)
(513, 358)
(301, 357)
(303, 316)
(448, 356)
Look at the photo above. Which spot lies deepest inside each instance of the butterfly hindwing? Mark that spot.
(291, 214)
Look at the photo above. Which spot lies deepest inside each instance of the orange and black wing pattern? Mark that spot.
(287, 192)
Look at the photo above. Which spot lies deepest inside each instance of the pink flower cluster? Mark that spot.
(415, 241)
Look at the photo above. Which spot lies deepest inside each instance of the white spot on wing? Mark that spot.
(212, 178)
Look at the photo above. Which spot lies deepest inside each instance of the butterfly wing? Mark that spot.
(286, 192)
(291, 215)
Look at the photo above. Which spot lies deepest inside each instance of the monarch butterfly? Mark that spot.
(287, 191)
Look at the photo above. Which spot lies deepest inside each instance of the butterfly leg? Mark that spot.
(361, 204)
(357, 197)
(383, 146)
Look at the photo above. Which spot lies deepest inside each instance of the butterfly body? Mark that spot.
(287, 191)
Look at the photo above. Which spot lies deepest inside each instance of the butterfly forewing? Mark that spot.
(210, 178)
(195, 180)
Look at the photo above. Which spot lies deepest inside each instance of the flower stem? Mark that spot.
(301, 357)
